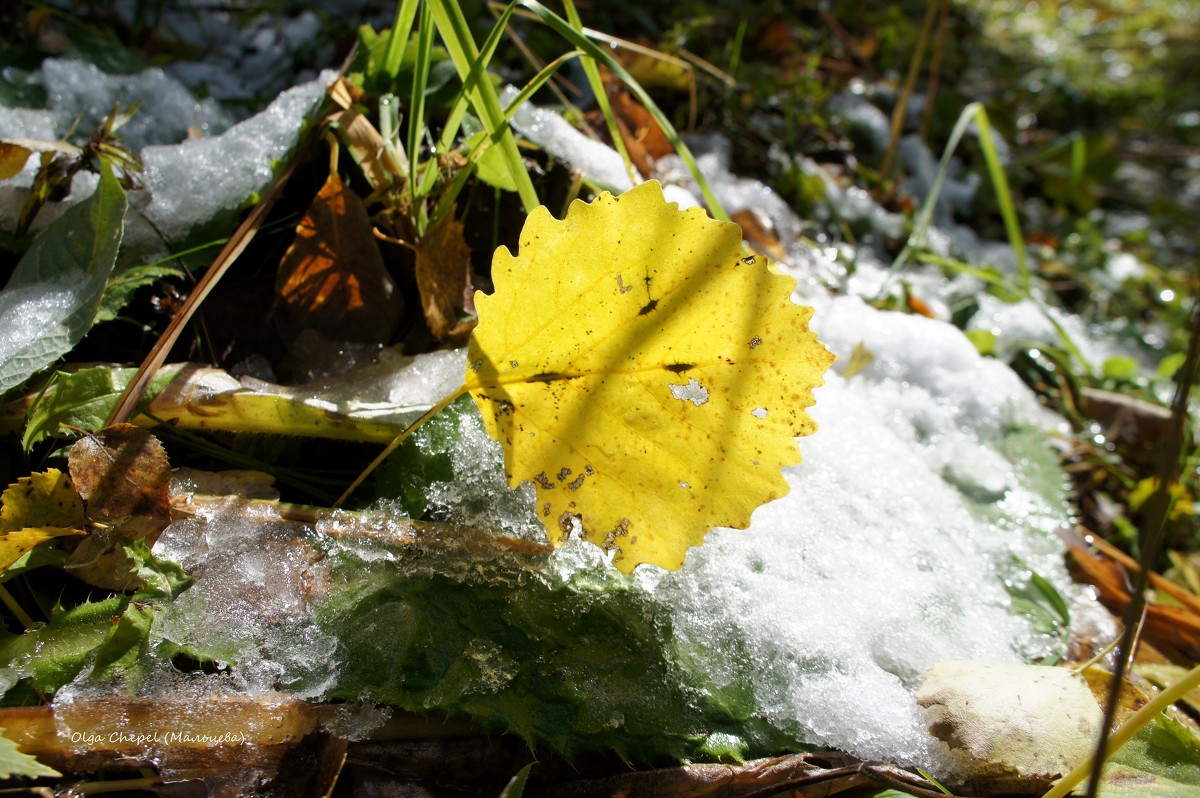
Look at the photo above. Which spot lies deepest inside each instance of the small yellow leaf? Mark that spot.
(647, 378)
(12, 159)
(15, 152)
(44, 499)
(14, 545)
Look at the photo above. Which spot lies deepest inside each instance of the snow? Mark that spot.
(186, 182)
(251, 578)
(885, 504)
(193, 181)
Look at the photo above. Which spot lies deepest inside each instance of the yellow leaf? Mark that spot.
(44, 499)
(14, 545)
(15, 152)
(647, 378)
(12, 159)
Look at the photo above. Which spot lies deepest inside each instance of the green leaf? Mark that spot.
(53, 296)
(163, 579)
(121, 287)
(1163, 759)
(1120, 368)
(516, 785)
(983, 340)
(83, 399)
(491, 167)
(15, 763)
(54, 654)
(1170, 364)
(423, 459)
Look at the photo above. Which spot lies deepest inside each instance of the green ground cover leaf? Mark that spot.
(1161, 761)
(15, 763)
(52, 298)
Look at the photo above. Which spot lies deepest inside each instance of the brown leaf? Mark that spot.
(333, 279)
(123, 475)
(443, 274)
(644, 138)
(759, 233)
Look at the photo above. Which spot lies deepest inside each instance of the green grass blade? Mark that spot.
(393, 54)
(416, 110)
(460, 45)
(580, 40)
(460, 180)
(597, 84)
(454, 124)
(925, 215)
(459, 107)
(1003, 193)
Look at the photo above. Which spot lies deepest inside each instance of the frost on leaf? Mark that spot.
(612, 364)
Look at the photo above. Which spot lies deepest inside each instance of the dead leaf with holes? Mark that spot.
(333, 279)
(123, 475)
(647, 378)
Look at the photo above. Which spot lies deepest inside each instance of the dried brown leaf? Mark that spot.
(443, 275)
(123, 475)
(333, 279)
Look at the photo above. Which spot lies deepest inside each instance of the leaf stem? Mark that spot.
(15, 608)
(442, 404)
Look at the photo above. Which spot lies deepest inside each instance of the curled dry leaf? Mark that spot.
(123, 474)
(647, 378)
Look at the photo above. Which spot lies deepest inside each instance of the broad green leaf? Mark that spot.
(1120, 367)
(1161, 761)
(52, 298)
(15, 763)
(80, 399)
(491, 167)
(647, 378)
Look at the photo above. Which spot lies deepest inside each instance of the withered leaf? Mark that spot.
(123, 475)
(443, 271)
(644, 138)
(333, 279)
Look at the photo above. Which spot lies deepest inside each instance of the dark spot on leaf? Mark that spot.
(563, 474)
(577, 483)
(648, 307)
(543, 481)
(551, 376)
(679, 368)
(755, 341)
(749, 260)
